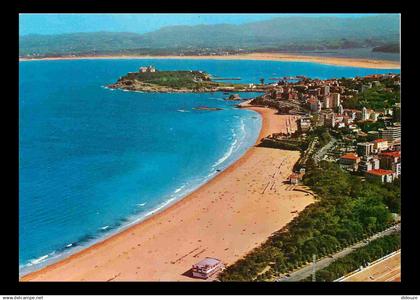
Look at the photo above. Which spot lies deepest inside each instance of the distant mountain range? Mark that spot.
(282, 34)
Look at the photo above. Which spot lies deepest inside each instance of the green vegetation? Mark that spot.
(378, 98)
(299, 143)
(349, 210)
(323, 135)
(286, 144)
(383, 95)
(360, 257)
(173, 79)
(371, 126)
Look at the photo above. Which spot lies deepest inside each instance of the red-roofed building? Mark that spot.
(394, 154)
(383, 175)
(314, 104)
(349, 161)
(391, 161)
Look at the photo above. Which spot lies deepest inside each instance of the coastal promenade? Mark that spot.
(225, 218)
(324, 262)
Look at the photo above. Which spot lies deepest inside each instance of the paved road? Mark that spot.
(321, 152)
(324, 262)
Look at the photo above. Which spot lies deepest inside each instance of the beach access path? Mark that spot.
(226, 218)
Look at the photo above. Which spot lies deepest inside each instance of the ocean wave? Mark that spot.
(239, 136)
(183, 110)
(160, 206)
(226, 155)
(107, 88)
(234, 146)
(179, 189)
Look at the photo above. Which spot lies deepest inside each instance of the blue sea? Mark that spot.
(93, 161)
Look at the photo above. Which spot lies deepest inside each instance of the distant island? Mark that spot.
(148, 79)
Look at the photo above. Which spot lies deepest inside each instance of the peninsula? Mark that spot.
(148, 79)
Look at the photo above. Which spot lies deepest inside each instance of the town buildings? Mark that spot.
(149, 69)
(380, 174)
(349, 162)
(364, 149)
(335, 99)
(391, 161)
(380, 145)
(368, 163)
(371, 153)
(304, 124)
(391, 133)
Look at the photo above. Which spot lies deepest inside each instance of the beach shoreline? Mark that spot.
(164, 246)
(292, 57)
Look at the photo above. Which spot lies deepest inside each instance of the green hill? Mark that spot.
(282, 33)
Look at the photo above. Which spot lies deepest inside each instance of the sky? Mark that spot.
(139, 23)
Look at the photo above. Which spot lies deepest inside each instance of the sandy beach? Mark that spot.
(338, 61)
(225, 218)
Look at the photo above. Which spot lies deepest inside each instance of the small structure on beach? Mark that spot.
(294, 178)
(206, 268)
(149, 69)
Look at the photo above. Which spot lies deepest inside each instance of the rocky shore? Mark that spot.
(150, 80)
(139, 86)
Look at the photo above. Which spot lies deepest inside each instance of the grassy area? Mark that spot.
(173, 79)
(374, 98)
(360, 257)
(348, 211)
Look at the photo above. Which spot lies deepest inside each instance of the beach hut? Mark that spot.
(206, 267)
(294, 178)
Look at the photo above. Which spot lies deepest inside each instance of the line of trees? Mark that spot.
(378, 97)
(360, 257)
(349, 210)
